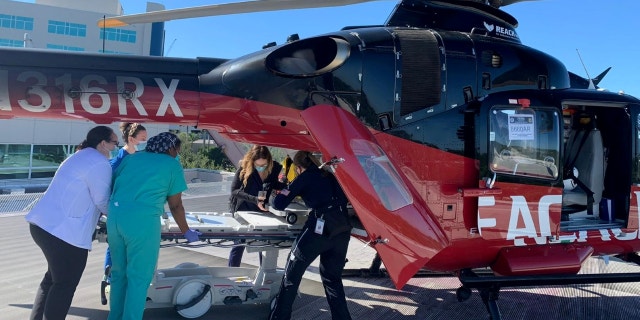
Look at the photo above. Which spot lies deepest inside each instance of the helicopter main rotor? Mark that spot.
(249, 7)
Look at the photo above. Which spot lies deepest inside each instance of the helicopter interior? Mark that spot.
(596, 166)
(590, 157)
(584, 152)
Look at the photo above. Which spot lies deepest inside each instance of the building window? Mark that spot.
(121, 35)
(113, 52)
(25, 161)
(63, 47)
(11, 43)
(67, 28)
(14, 161)
(16, 22)
(45, 160)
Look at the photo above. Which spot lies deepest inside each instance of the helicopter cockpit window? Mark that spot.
(524, 142)
(386, 181)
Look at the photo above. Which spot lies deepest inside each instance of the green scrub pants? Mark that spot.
(134, 241)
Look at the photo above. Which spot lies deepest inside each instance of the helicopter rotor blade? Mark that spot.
(508, 2)
(222, 9)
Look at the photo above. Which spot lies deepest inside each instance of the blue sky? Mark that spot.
(607, 34)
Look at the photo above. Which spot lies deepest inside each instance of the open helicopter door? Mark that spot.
(402, 229)
(523, 164)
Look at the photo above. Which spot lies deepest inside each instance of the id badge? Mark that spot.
(319, 226)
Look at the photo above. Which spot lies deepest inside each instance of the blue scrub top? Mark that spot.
(115, 161)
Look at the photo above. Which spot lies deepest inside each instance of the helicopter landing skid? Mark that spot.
(631, 257)
(489, 286)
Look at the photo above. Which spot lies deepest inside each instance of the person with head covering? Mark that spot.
(326, 233)
(62, 223)
(257, 172)
(142, 184)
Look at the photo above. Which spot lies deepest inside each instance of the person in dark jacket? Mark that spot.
(326, 234)
(257, 172)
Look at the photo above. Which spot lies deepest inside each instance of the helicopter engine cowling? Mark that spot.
(384, 74)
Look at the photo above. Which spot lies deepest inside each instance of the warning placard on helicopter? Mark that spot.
(521, 127)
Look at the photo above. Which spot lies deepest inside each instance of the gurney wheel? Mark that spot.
(292, 218)
(193, 298)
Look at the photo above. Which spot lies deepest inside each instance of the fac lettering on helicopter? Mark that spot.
(506, 166)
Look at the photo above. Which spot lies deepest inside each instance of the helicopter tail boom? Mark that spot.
(100, 87)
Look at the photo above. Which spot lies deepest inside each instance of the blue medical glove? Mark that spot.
(192, 235)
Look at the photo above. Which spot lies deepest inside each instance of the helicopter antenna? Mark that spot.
(170, 46)
(591, 85)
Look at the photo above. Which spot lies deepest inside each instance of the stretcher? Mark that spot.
(192, 289)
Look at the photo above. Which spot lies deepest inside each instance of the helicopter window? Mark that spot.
(385, 180)
(524, 142)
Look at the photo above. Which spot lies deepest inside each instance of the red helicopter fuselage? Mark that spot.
(414, 114)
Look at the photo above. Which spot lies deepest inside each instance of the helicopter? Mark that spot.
(458, 146)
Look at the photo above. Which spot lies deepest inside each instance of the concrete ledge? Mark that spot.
(203, 175)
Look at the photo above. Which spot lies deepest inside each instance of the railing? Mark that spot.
(18, 202)
(22, 202)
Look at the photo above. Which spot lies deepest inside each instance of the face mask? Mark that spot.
(178, 159)
(113, 153)
(260, 169)
(141, 146)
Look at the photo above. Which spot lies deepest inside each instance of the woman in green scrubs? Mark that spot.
(142, 184)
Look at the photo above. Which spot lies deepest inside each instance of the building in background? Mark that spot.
(30, 149)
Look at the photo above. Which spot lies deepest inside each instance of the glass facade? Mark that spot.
(16, 22)
(11, 43)
(72, 29)
(67, 28)
(121, 35)
(113, 51)
(26, 161)
(63, 47)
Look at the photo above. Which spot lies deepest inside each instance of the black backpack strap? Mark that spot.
(590, 194)
(569, 165)
(569, 173)
(287, 165)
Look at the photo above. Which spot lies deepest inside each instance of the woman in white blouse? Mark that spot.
(63, 221)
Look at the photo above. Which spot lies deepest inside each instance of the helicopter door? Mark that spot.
(634, 210)
(404, 232)
(523, 162)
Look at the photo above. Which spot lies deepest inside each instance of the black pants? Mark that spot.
(332, 254)
(65, 266)
(236, 253)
